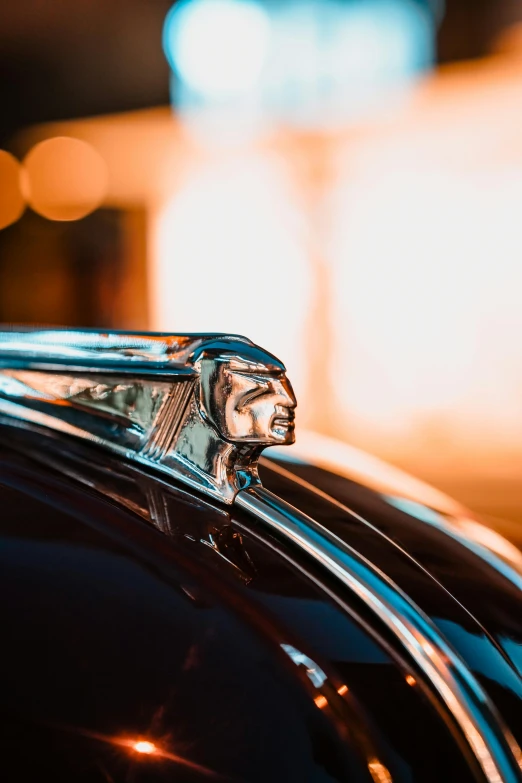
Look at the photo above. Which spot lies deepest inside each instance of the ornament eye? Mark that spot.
(261, 388)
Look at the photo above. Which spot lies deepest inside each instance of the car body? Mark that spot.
(178, 606)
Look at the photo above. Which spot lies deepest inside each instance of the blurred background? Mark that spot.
(340, 180)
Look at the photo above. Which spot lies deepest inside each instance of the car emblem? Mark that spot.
(201, 407)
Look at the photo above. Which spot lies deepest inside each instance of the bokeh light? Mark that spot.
(64, 178)
(235, 222)
(217, 47)
(12, 202)
(310, 62)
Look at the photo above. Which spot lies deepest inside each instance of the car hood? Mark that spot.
(461, 571)
(410, 494)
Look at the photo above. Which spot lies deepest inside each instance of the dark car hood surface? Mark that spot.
(417, 537)
(463, 574)
(209, 640)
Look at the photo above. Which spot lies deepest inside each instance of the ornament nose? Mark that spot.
(284, 388)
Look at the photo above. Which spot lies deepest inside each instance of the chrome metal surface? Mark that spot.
(411, 496)
(200, 407)
(492, 744)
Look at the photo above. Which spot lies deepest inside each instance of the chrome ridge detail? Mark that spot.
(490, 741)
(201, 407)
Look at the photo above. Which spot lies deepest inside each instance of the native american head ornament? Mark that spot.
(202, 407)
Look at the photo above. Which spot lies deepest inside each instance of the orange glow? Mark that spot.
(142, 746)
(146, 748)
(342, 690)
(64, 178)
(411, 680)
(12, 203)
(426, 306)
(379, 772)
(345, 460)
(321, 702)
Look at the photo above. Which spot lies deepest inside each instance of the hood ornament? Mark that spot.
(199, 407)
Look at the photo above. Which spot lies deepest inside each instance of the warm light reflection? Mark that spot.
(428, 649)
(12, 202)
(148, 748)
(321, 701)
(411, 680)
(142, 746)
(379, 772)
(64, 178)
(342, 690)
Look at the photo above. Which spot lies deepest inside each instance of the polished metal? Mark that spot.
(456, 687)
(200, 407)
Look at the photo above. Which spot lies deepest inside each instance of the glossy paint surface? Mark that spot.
(151, 635)
(475, 606)
(448, 679)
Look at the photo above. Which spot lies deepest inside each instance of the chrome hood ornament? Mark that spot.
(200, 407)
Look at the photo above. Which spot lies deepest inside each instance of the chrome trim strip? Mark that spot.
(276, 468)
(493, 746)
